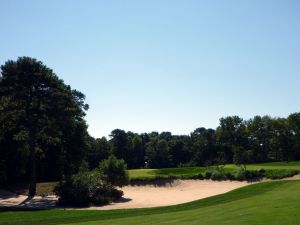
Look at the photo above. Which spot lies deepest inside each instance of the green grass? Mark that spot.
(153, 174)
(276, 203)
(189, 172)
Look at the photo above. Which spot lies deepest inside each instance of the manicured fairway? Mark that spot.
(148, 174)
(276, 202)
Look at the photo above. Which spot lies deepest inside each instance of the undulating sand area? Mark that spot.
(161, 193)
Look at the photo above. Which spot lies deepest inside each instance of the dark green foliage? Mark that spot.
(207, 174)
(157, 153)
(114, 171)
(119, 144)
(40, 117)
(279, 174)
(218, 175)
(242, 174)
(241, 156)
(261, 139)
(99, 149)
(246, 175)
(94, 187)
(86, 188)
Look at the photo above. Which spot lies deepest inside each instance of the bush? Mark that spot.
(230, 175)
(279, 174)
(207, 174)
(262, 171)
(86, 188)
(248, 174)
(239, 175)
(198, 176)
(218, 175)
(190, 176)
(114, 171)
(221, 174)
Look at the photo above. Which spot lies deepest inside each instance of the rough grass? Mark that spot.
(276, 203)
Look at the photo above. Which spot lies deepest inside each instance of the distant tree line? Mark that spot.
(43, 133)
(260, 139)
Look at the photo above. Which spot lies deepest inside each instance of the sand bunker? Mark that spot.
(141, 195)
(173, 193)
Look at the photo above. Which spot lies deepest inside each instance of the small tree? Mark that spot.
(115, 171)
(85, 188)
(241, 156)
(220, 160)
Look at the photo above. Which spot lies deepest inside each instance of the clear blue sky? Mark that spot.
(163, 65)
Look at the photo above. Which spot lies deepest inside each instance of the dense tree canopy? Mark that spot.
(40, 117)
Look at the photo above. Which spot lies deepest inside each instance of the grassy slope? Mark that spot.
(275, 202)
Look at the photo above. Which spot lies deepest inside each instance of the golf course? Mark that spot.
(150, 112)
(269, 202)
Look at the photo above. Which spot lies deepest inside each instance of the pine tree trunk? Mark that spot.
(32, 184)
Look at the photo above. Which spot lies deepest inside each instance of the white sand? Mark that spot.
(180, 191)
(161, 193)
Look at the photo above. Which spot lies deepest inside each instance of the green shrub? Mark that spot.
(279, 174)
(199, 176)
(247, 175)
(86, 188)
(191, 176)
(218, 175)
(239, 175)
(94, 187)
(221, 174)
(114, 171)
(262, 171)
(207, 174)
(230, 175)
